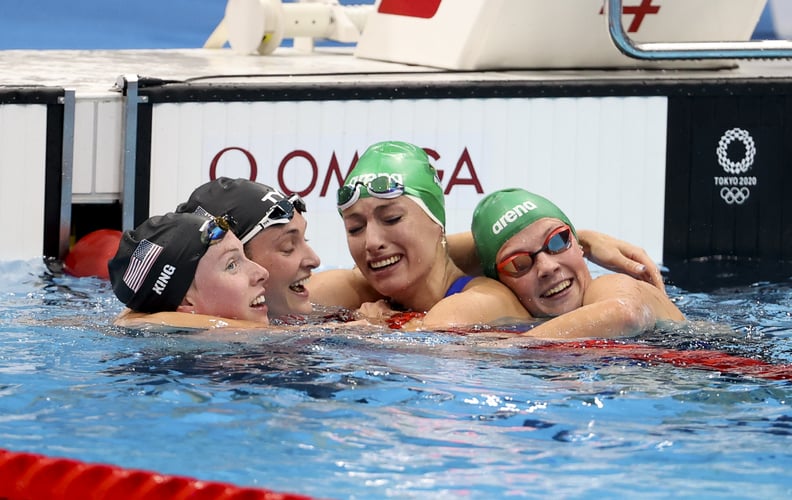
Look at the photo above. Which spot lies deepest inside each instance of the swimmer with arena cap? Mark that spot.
(530, 245)
(185, 270)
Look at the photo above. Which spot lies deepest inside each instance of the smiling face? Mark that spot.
(394, 244)
(227, 284)
(283, 250)
(555, 283)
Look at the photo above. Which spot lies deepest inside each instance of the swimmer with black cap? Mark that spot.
(185, 270)
(530, 245)
(271, 226)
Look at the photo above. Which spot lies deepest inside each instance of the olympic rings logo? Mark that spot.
(735, 195)
(742, 166)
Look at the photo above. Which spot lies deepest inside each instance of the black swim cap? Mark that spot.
(156, 262)
(244, 200)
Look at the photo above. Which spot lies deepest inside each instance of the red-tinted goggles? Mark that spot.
(557, 242)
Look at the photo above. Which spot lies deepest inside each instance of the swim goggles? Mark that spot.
(382, 186)
(216, 228)
(279, 213)
(559, 241)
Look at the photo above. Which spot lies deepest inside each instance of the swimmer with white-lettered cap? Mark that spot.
(186, 270)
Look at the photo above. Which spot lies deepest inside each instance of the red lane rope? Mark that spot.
(27, 476)
(699, 358)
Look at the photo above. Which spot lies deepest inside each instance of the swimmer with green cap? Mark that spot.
(392, 169)
(530, 245)
(393, 209)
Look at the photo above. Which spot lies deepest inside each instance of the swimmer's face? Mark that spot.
(227, 284)
(555, 283)
(283, 250)
(393, 243)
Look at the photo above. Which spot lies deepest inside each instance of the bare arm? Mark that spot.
(483, 301)
(615, 305)
(620, 256)
(132, 319)
(341, 287)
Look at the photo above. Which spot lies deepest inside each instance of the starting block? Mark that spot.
(781, 12)
(536, 34)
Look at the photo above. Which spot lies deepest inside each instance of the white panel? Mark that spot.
(166, 187)
(84, 147)
(601, 159)
(23, 131)
(97, 148)
(108, 162)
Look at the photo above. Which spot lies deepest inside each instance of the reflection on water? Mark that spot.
(368, 414)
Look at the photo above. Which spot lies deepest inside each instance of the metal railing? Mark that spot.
(754, 49)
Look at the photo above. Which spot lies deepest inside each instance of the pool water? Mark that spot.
(373, 414)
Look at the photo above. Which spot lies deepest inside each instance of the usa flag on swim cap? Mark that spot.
(142, 259)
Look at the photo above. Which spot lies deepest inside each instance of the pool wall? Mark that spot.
(682, 159)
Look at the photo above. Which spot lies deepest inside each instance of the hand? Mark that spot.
(376, 311)
(620, 256)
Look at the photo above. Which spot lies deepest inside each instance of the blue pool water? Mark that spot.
(356, 414)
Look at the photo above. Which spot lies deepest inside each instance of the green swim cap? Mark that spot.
(405, 164)
(501, 215)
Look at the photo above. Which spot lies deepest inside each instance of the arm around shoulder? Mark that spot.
(173, 319)
(620, 256)
(483, 301)
(615, 305)
(341, 287)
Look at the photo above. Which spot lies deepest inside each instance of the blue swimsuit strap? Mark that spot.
(458, 285)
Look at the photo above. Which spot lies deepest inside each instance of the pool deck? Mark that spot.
(94, 72)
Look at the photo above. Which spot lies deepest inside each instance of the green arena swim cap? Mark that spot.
(501, 215)
(395, 163)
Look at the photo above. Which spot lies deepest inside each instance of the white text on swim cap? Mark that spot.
(366, 178)
(164, 278)
(512, 215)
(273, 196)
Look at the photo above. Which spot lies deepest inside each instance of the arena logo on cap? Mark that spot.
(512, 215)
(735, 187)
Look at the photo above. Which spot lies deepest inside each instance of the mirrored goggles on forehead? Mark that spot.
(216, 228)
(557, 242)
(280, 213)
(382, 187)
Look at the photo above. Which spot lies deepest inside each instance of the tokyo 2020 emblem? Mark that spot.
(735, 186)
